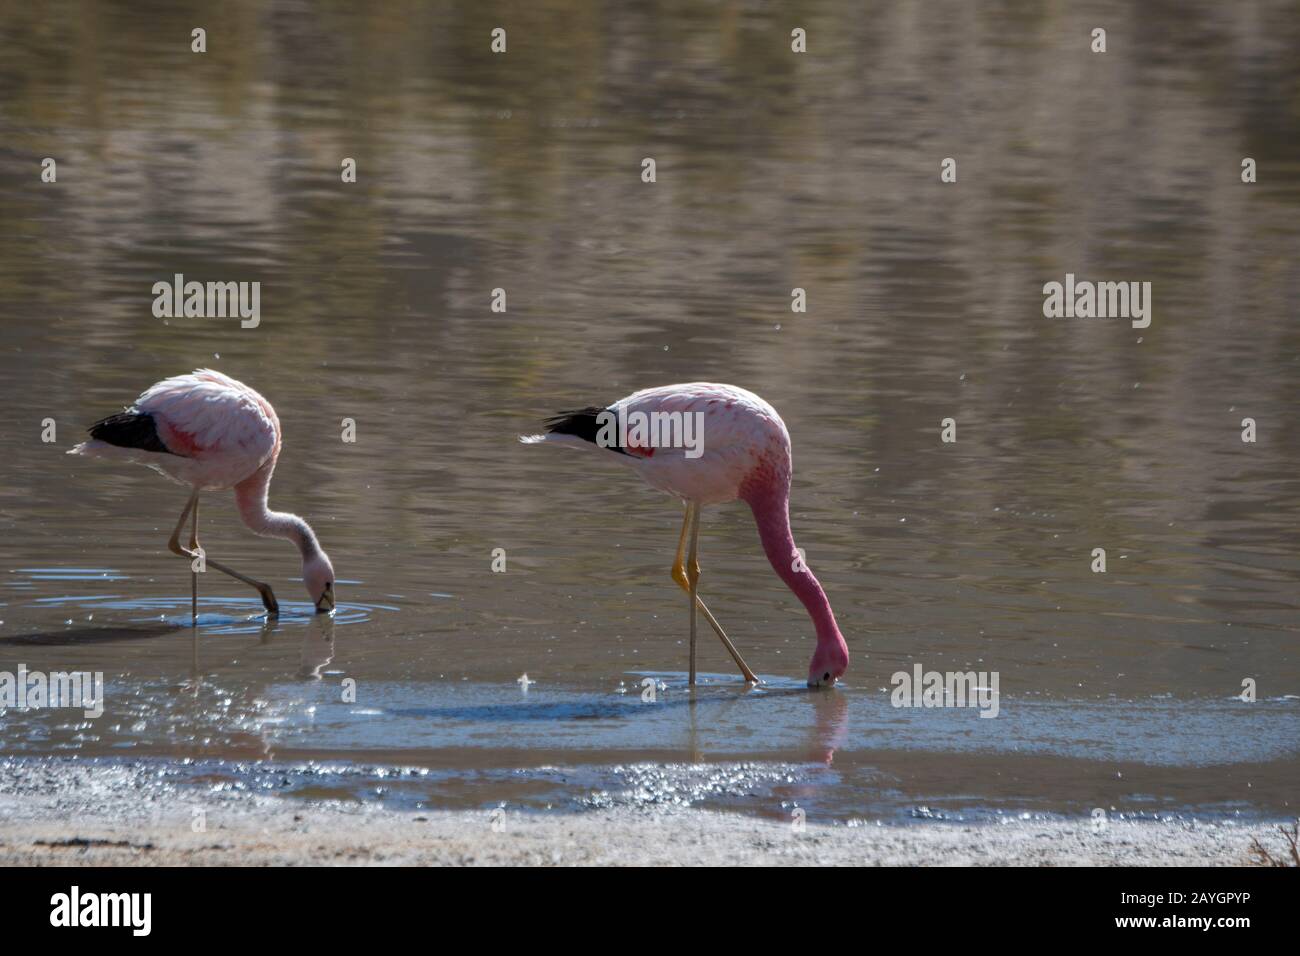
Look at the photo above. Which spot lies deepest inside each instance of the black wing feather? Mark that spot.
(582, 423)
(130, 430)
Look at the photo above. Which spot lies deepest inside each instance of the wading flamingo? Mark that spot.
(744, 452)
(210, 432)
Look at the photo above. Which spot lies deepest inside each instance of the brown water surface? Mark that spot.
(774, 171)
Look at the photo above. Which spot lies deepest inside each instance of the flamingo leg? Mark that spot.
(268, 596)
(194, 549)
(693, 573)
(174, 545)
(683, 580)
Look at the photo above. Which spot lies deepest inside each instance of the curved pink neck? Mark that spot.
(254, 511)
(771, 509)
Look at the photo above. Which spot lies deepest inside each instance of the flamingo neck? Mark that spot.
(772, 515)
(251, 498)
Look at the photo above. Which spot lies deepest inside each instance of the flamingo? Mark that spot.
(210, 432)
(744, 452)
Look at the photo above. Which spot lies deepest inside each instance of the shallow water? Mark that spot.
(523, 172)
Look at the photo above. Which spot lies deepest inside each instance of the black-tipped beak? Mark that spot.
(326, 602)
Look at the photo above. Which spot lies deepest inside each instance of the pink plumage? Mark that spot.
(743, 452)
(217, 431)
(213, 433)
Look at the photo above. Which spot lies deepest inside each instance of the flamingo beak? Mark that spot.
(326, 602)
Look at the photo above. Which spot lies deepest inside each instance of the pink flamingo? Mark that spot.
(210, 432)
(743, 452)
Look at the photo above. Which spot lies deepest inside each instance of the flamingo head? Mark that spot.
(318, 575)
(829, 662)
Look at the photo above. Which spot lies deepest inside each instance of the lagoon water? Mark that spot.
(775, 171)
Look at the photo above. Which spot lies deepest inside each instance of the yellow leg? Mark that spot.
(683, 579)
(679, 563)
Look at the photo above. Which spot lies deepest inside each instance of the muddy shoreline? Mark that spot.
(88, 815)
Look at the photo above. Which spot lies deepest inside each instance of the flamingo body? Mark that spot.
(743, 441)
(742, 438)
(213, 433)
